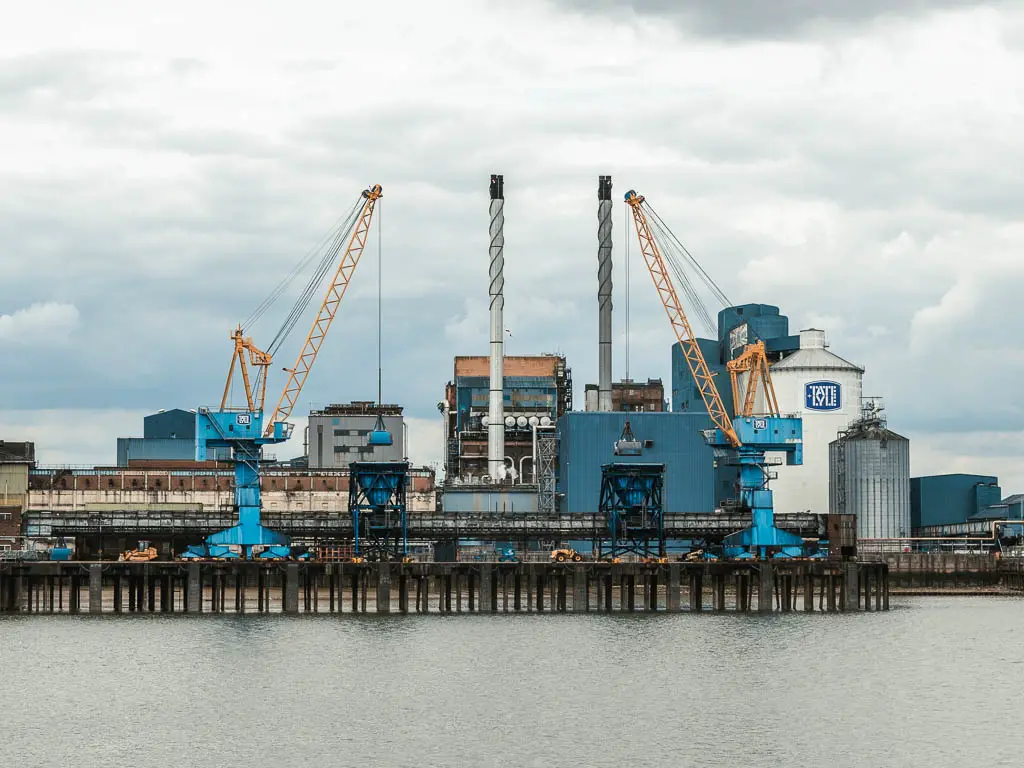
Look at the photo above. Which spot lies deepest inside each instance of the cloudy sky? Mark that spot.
(856, 163)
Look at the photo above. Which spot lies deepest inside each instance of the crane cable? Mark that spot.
(328, 248)
(678, 257)
(341, 224)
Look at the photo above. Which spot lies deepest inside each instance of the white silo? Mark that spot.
(869, 476)
(825, 391)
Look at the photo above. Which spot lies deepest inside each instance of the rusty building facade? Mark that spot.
(537, 391)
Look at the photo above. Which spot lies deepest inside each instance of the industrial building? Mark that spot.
(951, 499)
(537, 390)
(629, 395)
(869, 476)
(809, 381)
(168, 438)
(16, 459)
(587, 441)
(338, 434)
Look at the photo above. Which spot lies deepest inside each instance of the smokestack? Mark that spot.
(496, 409)
(604, 293)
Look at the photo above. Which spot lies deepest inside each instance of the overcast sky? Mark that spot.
(163, 168)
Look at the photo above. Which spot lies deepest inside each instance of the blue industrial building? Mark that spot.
(737, 326)
(166, 436)
(587, 441)
(951, 499)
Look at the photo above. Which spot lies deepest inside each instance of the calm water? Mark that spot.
(935, 682)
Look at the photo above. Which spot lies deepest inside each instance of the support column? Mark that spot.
(96, 588)
(696, 590)
(580, 603)
(764, 588)
(486, 587)
(808, 590)
(718, 586)
(194, 595)
(291, 588)
(850, 596)
(384, 588)
(672, 589)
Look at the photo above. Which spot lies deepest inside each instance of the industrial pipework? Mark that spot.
(604, 293)
(496, 405)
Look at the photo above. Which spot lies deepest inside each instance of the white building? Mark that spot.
(825, 391)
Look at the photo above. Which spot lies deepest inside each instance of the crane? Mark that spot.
(242, 429)
(746, 436)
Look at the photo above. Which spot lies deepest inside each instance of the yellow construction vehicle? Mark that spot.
(561, 555)
(143, 553)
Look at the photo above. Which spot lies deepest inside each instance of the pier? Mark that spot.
(287, 587)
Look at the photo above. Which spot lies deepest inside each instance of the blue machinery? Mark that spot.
(241, 430)
(631, 501)
(376, 502)
(745, 437)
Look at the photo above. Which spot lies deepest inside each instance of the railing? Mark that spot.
(156, 521)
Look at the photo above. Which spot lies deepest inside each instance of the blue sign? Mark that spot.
(823, 396)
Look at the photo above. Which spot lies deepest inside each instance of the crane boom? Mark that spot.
(680, 324)
(297, 374)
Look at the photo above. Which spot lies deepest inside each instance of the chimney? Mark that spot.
(496, 409)
(604, 293)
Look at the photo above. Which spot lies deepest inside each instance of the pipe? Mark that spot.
(522, 476)
(496, 425)
(604, 293)
(445, 418)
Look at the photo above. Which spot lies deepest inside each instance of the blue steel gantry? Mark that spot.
(631, 502)
(377, 505)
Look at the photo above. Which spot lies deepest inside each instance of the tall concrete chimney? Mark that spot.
(604, 293)
(496, 405)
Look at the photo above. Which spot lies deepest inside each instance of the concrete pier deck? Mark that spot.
(441, 588)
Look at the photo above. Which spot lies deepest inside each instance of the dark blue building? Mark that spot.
(587, 440)
(166, 436)
(737, 326)
(951, 499)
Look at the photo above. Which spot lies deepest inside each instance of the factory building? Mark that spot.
(537, 390)
(168, 438)
(951, 499)
(629, 395)
(338, 434)
(869, 476)
(16, 459)
(587, 440)
(809, 380)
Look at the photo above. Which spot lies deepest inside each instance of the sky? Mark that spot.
(855, 163)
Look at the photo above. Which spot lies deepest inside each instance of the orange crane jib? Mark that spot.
(680, 324)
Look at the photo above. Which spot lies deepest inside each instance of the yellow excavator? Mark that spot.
(143, 553)
(561, 555)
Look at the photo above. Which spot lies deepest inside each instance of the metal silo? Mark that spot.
(869, 476)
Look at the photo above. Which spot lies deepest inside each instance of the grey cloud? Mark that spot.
(760, 20)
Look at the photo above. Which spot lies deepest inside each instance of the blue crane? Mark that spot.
(243, 430)
(746, 437)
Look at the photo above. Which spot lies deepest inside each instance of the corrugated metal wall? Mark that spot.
(876, 482)
(149, 449)
(948, 499)
(496, 501)
(587, 442)
(175, 423)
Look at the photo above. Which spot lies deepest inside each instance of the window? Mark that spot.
(5, 515)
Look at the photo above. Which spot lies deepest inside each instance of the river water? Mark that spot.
(935, 682)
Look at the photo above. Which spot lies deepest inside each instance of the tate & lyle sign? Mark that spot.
(823, 396)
